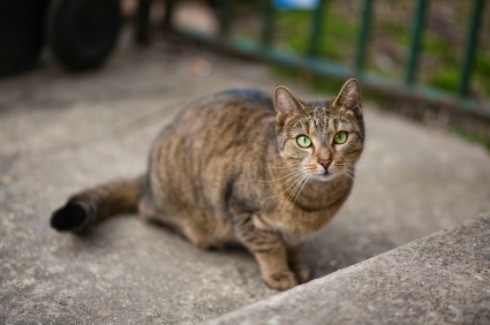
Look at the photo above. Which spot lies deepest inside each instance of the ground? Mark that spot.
(61, 132)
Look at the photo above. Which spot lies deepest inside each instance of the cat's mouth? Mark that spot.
(326, 176)
(321, 173)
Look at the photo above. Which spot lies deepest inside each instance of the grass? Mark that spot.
(337, 35)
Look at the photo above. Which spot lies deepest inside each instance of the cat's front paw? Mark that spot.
(281, 280)
(302, 273)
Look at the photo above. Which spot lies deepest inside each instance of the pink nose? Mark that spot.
(324, 162)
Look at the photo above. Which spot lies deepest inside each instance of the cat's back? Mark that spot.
(225, 118)
(195, 156)
(227, 106)
(227, 123)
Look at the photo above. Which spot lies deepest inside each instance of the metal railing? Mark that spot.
(263, 48)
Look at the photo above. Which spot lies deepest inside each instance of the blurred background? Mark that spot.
(86, 86)
(426, 59)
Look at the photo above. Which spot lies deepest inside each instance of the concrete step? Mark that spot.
(441, 279)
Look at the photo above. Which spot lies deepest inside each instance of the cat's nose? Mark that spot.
(324, 162)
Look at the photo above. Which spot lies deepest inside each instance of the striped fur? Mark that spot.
(228, 169)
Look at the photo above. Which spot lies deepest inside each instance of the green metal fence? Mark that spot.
(264, 49)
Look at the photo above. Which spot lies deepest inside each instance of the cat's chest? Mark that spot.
(296, 225)
(299, 219)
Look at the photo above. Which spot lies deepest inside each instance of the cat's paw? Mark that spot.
(281, 280)
(302, 273)
(69, 217)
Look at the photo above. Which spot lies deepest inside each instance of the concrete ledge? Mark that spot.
(442, 278)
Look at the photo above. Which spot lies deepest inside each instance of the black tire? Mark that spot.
(82, 33)
(21, 34)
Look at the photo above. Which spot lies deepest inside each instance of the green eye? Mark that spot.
(340, 137)
(303, 141)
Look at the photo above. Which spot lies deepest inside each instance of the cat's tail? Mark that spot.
(87, 208)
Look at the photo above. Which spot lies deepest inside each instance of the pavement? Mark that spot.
(61, 132)
(440, 279)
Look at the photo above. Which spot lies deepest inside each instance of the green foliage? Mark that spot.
(482, 68)
(336, 38)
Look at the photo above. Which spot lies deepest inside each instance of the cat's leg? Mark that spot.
(196, 234)
(148, 212)
(272, 259)
(188, 224)
(147, 209)
(269, 250)
(299, 268)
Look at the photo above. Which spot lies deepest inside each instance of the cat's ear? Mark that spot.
(349, 95)
(285, 102)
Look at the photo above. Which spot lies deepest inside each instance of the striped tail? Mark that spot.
(87, 208)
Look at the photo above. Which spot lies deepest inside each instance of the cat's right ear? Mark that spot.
(285, 103)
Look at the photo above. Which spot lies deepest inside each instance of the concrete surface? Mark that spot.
(440, 279)
(60, 133)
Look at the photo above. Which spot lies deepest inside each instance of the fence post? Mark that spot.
(414, 47)
(266, 37)
(316, 28)
(364, 29)
(225, 12)
(470, 48)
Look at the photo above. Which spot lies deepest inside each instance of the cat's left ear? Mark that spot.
(285, 102)
(349, 96)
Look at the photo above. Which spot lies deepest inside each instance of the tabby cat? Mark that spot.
(238, 166)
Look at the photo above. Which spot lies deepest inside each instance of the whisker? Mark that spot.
(293, 185)
(302, 186)
(359, 176)
(297, 187)
(283, 177)
(293, 177)
(353, 176)
(283, 167)
(352, 172)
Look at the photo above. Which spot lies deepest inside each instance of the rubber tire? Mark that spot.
(81, 34)
(21, 34)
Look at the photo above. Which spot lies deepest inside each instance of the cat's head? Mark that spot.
(323, 139)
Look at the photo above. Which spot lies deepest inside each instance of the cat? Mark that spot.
(239, 166)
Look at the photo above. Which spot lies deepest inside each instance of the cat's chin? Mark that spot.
(324, 177)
